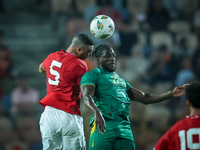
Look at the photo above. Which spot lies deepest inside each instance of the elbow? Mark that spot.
(85, 100)
(145, 103)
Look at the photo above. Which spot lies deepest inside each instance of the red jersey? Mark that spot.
(184, 135)
(63, 74)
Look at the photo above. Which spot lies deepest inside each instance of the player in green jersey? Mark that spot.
(109, 96)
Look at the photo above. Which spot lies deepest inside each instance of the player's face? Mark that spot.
(108, 60)
(85, 53)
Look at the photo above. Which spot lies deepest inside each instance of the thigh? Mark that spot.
(98, 141)
(73, 137)
(73, 143)
(124, 144)
(50, 140)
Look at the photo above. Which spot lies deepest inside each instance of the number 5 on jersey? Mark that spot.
(54, 72)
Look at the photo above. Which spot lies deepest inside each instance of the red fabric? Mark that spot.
(185, 133)
(17, 148)
(63, 72)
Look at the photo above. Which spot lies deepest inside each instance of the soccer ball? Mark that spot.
(102, 27)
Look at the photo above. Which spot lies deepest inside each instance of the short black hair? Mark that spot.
(98, 52)
(193, 94)
(82, 39)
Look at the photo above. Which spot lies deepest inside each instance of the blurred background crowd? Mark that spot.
(157, 44)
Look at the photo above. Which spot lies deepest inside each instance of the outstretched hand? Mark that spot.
(99, 120)
(179, 90)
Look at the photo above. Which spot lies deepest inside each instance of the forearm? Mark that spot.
(155, 98)
(89, 102)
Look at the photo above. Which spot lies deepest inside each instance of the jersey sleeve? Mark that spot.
(80, 70)
(163, 142)
(90, 78)
(128, 86)
(44, 63)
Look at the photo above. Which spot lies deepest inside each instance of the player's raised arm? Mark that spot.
(137, 95)
(41, 69)
(87, 94)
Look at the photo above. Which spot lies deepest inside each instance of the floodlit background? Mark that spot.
(157, 46)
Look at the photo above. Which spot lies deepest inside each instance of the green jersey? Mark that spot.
(110, 93)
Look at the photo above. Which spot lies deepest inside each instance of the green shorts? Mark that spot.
(118, 136)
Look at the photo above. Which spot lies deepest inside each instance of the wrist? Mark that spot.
(172, 93)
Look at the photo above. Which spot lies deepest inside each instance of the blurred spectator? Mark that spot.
(122, 5)
(157, 16)
(147, 51)
(122, 68)
(6, 76)
(133, 67)
(5, 59)
(185, 75)
(24, 99)
(140, 64)
(107, 8)
(196, 62)
(173, 7)
(127, 37)
(75, 25)
(188, 9)
(177, 56)
(159, 70)
(61, 11)
(91, 10)
(196, 22)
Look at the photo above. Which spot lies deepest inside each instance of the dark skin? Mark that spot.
(107, 62)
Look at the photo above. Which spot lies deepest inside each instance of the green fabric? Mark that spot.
(110, 93)
(118, 136)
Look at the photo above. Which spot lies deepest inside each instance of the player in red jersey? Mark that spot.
(185, 134)
(61, 123)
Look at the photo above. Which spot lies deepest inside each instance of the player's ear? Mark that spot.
(188, 103)
(98, 60)
(79, 50)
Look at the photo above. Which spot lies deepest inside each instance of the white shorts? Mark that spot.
(61, 130)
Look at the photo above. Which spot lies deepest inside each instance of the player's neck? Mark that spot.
(70, 50)
(194, 111)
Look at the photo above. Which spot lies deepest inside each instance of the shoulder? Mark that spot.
(51, 55)
(95, 71)
(178, 126)
(78, 63)
(92, 75)
(57, 53)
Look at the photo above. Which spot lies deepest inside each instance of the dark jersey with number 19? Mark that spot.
(63, 75)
